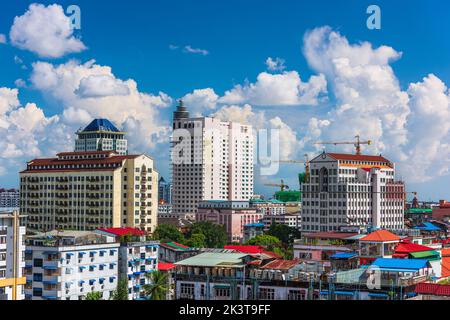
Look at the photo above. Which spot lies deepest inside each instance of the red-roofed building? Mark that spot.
(357, 191)
(432, 291)
(112, 191)
(378, 244)
(254, 250)
(445, 262)
(279, 264)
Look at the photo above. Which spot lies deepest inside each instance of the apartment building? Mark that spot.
(292, 220)
(211, 160)
(9, 199)
(269, 207)
(137, 258)
(68, 265)
(12, 250)
(352, 190)
(90, 190)
(233, 215)
(101, 135)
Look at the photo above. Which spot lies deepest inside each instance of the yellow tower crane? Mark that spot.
(306, 162)
(356, 143)
(282, 186)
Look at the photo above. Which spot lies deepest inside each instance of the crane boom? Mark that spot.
(356, 143)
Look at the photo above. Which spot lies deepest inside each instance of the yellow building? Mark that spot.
(90, 190)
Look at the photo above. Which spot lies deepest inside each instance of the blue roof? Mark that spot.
(401, 265)
(343, 255)
(254, 225)
(427, 226)
(101, 125)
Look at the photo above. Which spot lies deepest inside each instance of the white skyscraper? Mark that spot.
(352, 190)
(211, 160)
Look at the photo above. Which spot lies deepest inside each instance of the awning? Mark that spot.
(344, 293)
(112, 278)
(50, 282)
(69, 254)
(382, 295)
(102, 251)
(50, 267)
(82, 267)
(28, 251)
(49, 297)
(137, 273)
(81, 282)
(221, 286)
(92, 281)
(425, 254)
(344, 255)
(324, 292)
(150, 259)
(81, 253)
(28, 266)
(102, 265)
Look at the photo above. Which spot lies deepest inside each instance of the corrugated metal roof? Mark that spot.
(380, 236)
(434, 289)
(212, 259)
(401, 264)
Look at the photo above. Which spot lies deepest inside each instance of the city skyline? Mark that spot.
(327, 78)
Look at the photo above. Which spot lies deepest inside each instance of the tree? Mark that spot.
(158, 286)
(286, 234)
(197, 240)
(168, 232)
(215, 234)
(121, 293)
(95, 295)
(265, 240)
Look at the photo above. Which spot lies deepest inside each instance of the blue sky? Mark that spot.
(133, 38)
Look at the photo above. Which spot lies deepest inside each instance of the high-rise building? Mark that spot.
(90, 190)
(12, 251)
(9, 199)
(164, 191)
(352, 190)
(101, 135)
(211, 160)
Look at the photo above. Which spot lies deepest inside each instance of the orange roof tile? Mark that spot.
(380, 236)
(445, 263)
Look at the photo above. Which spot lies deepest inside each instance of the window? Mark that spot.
(267, 294)
(37, 292)
(37, 277)
(37, 263)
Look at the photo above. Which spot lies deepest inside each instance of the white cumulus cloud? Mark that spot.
(46, 31)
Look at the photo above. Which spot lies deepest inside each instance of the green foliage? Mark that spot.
(158, 286)
(267, 241)
(121, 293)
(197, 240)
(94, 296)
(215, 235)
(286, 234)
(167, 233)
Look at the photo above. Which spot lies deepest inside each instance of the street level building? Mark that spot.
(233, 215)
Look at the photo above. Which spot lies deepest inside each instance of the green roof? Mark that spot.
(176, 245)
(213, 259)
(429, 255)
(419, 210)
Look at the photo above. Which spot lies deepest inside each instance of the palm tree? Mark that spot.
(95, 295)
(158, 286)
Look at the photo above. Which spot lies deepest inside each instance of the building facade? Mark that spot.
(233, 215)
(164, 191)
(211, 160)
(68, 265)
(137, 258)
(289, 219)
(101, 135)
(90, 190)
(12, 252)
(352, 190)
(9, 199)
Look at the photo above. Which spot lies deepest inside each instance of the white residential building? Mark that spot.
(68, 265)
(352, 190)
(137, 258)
(9, 199)
(211, 160)
(12, 249)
